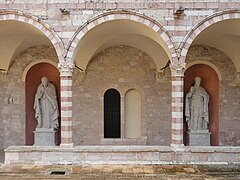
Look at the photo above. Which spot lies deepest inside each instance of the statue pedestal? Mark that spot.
(45, 137)
(199, 138)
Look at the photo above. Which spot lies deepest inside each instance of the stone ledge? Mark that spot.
(121, 155)
(89, 149)
(213, 148)
(109, 148)
(125, 141)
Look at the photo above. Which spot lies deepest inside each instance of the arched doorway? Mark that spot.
(210, 82)
(33, 79)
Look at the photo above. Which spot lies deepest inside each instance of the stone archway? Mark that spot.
(110, 16)
(18, 16)
(33, 79)
(201, 26)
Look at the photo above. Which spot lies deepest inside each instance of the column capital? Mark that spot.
(66, 69)
(177, 69)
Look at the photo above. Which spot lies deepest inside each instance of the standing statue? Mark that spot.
(46, 106)
(196, 107)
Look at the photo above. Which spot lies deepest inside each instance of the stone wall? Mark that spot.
(12, 96)
(81, 11)
(122, 68)
(122, 155)
(229, 91)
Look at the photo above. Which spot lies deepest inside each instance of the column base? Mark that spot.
(177, 147)
(70, 145)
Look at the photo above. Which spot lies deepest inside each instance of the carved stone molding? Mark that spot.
(177, 69)
(66, 69)
(160, 74)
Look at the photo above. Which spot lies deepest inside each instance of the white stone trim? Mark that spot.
(177, 94)
(65, 82)
(156, 28)
(66, 114)
(184, 52)
(66, 93)
(177, 114)
(123, 15)
(66, 134)
(66, 123)
(177, 104)
(177, 137)
(66, 104)
(177, 126)
(177, 83)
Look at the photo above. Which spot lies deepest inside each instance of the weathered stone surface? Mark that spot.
(45, 137)
(104, 172)
(133, 69)
(88, 97)
(85, 156)
(199, 138)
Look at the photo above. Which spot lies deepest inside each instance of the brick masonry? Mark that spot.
(122, 68)
(62, 30)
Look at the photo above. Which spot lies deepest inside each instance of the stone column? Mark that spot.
(177, 72)
(66, 70)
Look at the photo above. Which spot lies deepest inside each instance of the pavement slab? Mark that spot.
(122, 172)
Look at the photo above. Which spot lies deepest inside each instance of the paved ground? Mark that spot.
(123, 172)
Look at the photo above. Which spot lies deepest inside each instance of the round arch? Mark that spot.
(202, 25)
(6, 15)
(25, 71)
(213, 66)
(122, 15)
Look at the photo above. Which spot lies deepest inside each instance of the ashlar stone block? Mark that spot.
(45, 137)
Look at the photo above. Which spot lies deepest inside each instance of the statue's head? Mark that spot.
(44, 81)
(197, 81)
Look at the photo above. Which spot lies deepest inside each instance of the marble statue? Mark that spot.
(46, 106)
(196, 107)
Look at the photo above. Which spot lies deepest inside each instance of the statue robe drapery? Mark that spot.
(46, 107)
(196, 109)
